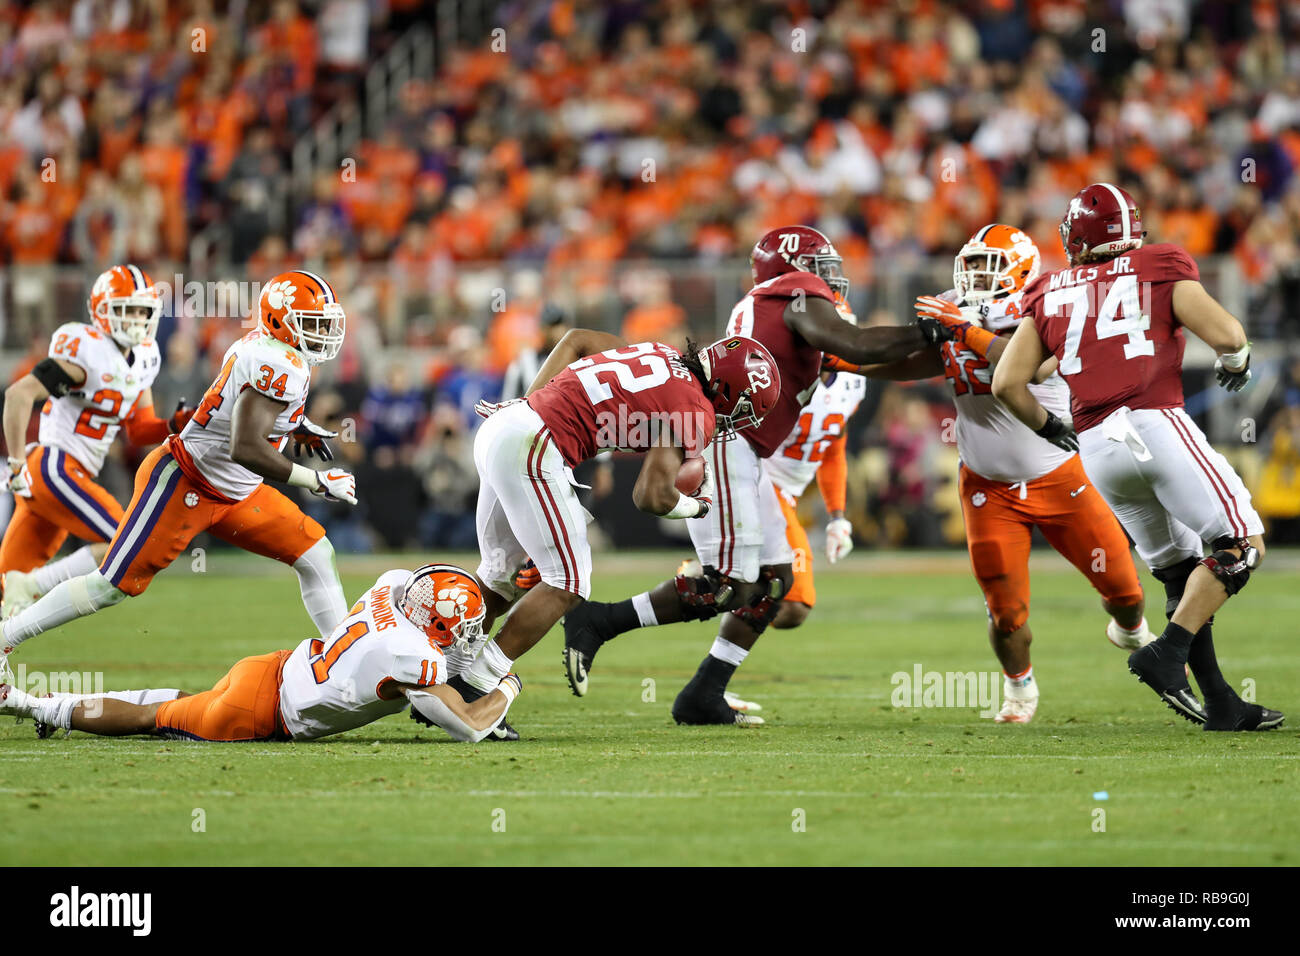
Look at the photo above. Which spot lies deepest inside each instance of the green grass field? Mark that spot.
(609, 779)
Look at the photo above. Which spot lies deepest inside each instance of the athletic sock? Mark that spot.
(66, 601)
(645, 610)
(1205, 667)
(711, 678)
(728, 652)
(1178, 637)
(621, 616)
(141, 698)
(322, 591)
(77, 563)
(1022, 684)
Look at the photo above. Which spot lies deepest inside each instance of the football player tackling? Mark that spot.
(1011, 481)
(741, 544)
(1115, 322)
(387, 653)
(95, 382)
(211, 477)
(595, 392)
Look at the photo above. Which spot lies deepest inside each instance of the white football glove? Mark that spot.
(336, 485)
(487, 409)
(705, 495)
(19, 479)
(839, 539)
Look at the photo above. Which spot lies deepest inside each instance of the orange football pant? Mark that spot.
(1074, 518)
(65, 500)
(244, 705)
(795, 533)
(170, 507)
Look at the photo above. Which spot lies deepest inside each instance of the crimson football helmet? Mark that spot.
(445, 602)
(300, 309)
(744, 382)
(799, 249)
(116, 302)
(1101, 222)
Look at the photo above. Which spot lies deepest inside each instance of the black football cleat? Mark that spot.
(1161, 670)
(586, 628)
(502, 731)
(694, 709)
(1242, 716)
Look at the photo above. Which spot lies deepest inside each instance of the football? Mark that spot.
(690, 476)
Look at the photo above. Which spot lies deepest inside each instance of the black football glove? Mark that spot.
(1059, 433)
(311, 437)
(934, 331)
(1233, 381)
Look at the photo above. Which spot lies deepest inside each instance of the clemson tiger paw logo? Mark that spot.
(191, 499)
(451, 602)
(279, 295)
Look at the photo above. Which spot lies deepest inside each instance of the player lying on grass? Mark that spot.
(388, 653)
(96, 381)
(595, 392)
(1115, 321)
(1011, 480)
(212, 476)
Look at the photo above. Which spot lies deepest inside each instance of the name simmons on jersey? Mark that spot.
(820, 424)
(991, 441)
(84, 422)
(625, 399)
(329, 686)
(1112, 326)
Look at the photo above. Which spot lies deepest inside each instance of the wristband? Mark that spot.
(685, 507)
(1238, 360)
(979, 340)
(509, 688)
(303, 477)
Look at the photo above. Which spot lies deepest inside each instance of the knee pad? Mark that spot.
(1232, 571)
(704, 595)
(760, 610)
(1174, 578)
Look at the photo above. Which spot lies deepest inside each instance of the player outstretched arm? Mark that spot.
(252, 421)
(466, 722)
(576, 344)
(51, 376)
(822, 327)
(1203, 316)
(1019, 366)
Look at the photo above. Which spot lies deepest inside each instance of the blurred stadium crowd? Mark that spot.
(614, 161)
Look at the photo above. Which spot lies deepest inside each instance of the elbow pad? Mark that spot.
(51, 374)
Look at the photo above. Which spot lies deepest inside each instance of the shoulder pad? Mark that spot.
(788, 284)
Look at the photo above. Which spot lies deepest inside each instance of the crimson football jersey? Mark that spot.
(761, 315)
(1112, 326)
(624, 399)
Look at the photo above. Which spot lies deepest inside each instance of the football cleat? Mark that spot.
(1127, 640)
(19, 593)
(44, 730)
(503, 731)
(1242, 716)
(1160, 669)
(744, 706)
(585, 630)
(693, 711)
(1019, 703)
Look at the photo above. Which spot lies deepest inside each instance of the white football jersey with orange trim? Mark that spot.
(265, 365)
(334, 685)
(991, 441)
(793, 465)
(84, 422)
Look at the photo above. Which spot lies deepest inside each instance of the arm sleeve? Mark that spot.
(144, 427)
(438, 712)
(832, 476)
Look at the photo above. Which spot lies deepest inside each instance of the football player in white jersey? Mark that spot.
(385, 655)
(212, 476)
(1012, 480)
(94, 382)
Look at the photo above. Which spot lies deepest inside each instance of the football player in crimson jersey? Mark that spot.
(212, 476)
(1012, 481)
(595, 392)
(1115, 322)
(94, 382)
(741, 545)
(385, 655)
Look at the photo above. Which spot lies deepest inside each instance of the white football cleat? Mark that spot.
(741, 705)
(20, 593)
(1127, 640)
(1019, 704)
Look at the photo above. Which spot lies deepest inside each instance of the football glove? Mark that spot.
(19, 479)
(527, 576)
(931, 308)
(310, 437)
(336, 485)
(180, 418)
(705, 495)
(833, 363)
(484, 409)
(839, 539)
(1059, 433)
(1233, 378)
